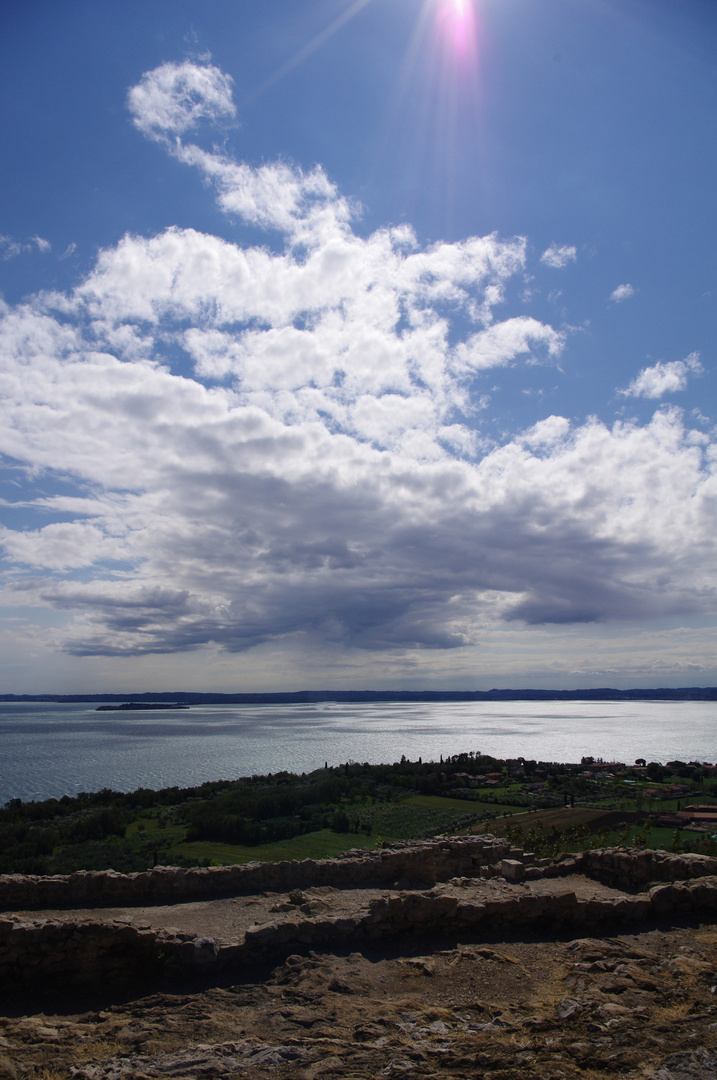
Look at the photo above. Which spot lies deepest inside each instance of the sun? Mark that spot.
(456, 24)
(456, 9)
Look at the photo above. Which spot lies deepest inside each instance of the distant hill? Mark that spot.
(307, 697)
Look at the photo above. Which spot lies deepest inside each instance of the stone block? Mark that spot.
(512, 870)
(469, 913)
(662, 898)
(563, 900)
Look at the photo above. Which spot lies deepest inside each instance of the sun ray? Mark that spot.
(436, 112)
(305, 51)
(456, 20)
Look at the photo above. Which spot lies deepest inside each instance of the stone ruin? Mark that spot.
(79, 953)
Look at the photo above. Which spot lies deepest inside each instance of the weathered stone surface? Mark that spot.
(201, 1061)
(692, 1065)
(568, 1008)
(512, 869)
(509, 1011)
(7, 1069)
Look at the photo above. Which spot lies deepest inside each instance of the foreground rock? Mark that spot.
(602, 965)
(634, 1005)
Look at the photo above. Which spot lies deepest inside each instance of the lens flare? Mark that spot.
(457, 21)
(434, 133)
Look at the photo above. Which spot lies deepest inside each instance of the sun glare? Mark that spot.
(457, 9)
(457, 20)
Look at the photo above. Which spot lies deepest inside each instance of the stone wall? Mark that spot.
(46, 954)
(51, 958)
(433, 912)
(434, 860)
(54, 957)
(635, 868)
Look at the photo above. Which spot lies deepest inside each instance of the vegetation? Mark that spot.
(543, 806)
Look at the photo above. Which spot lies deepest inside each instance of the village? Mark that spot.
(678, 795)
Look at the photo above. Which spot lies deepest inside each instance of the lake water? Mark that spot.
(52, 750)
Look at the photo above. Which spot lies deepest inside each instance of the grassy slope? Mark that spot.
(317, 845)
(466, 806)
(157, 836)
(326, 844)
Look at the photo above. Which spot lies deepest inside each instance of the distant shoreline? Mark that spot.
(141, 706)
(311, 697)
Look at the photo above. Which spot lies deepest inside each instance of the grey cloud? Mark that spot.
(372, 581)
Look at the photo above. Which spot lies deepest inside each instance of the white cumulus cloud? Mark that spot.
(272, 444)
(173, 98)
(664, 378)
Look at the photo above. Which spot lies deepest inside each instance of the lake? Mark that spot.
(59, 749)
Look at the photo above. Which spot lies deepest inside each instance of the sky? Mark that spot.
(357, 344)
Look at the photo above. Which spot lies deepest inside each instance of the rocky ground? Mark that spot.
(228, 920)
(638, 1005)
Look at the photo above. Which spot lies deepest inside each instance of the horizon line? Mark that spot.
(314, 696)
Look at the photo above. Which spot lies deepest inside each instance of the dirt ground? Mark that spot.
(638, 1005)
(227, 920)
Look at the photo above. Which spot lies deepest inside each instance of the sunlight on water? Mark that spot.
(51, 750)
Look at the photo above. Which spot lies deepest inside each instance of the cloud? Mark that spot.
(173, 98)
(503, 342)
(664, 378)
(283, 444)
(558, 257)
(622, 292)
(60, 546)
(9, 247)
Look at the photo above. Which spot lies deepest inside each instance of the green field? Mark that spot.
(465, 806)
(317, 845)
(404, 819)
(561, 818)
(170, 843)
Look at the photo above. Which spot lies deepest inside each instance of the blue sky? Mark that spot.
(357, 343)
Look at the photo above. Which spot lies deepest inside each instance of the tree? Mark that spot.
(340, 822)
